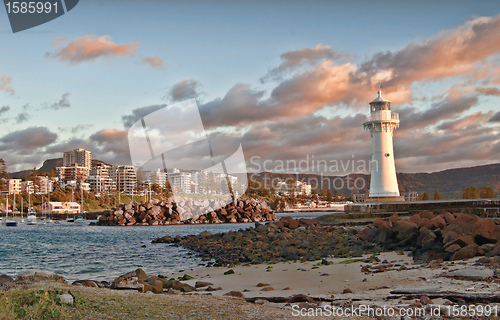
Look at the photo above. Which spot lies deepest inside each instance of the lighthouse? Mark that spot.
(382, 122)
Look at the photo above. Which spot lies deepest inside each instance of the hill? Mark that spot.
(450, 183)
(47, 167)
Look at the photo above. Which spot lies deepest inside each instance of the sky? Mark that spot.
(286, 80)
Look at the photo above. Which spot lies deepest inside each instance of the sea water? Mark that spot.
(81, 251)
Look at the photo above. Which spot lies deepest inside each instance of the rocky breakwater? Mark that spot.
(433, 236)
(185, 211)
(282, 240)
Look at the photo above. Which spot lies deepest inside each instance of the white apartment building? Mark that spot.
(180, 181)
(157, 177)
(44, 185)
(124, 177)
(12, 186)
(27, 187)
(99, 179)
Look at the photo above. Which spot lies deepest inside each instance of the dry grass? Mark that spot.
(38, 302)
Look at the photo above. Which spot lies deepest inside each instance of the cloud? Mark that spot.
(495, 118)
(22, 117)
(129, 120)
(63, 103)
(183, 90)
(5, 84)
(88, 48)
(489, 91)
(450, 53)
(296, 58)
(154, 61)
(465, 122)
(30, 138)
(4, 109)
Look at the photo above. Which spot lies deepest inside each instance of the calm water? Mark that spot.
(78, 251)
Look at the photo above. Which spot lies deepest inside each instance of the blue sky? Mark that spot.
(219, 45)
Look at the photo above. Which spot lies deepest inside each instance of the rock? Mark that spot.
(85, 283)
(300, 298)
(65, 298)
(267, 289)
(210, 288)
(158, 287)
(462, 241)
(176, 285)
(138, 273)
(230, 271)
(453, 248)
(466, 222)
(465, 252)
(186, 277)
(236, 294)
(187, 288)
(426, 238)
(486, 231)
(6, 280)
(123, 283)
(201, 284)
(425, 300)
(37, 276)
(448, 217)
(470, 274)
(290, 222)
(405, 229)
(347, 290)
(261, 284)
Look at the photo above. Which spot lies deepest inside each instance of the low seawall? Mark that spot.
(479, 207)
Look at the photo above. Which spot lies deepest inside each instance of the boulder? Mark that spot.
(123, 283)
(86, 283)
(466, 222)
(405, 229)
(201, 284)
(465, 252)
(236, 294)
(486, 231)
(65, 298)
(6, 280)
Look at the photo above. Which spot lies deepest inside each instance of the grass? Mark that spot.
(39, 301)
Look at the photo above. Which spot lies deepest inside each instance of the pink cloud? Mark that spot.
(154, 61)
(89, 48)
(5, 84)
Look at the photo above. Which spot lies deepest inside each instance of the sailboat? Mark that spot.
(9, 222)
(31, 217)
(81, 217)
(48, 219)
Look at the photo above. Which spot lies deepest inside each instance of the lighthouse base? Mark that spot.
(385, 199)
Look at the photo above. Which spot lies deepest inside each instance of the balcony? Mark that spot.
(383, 116)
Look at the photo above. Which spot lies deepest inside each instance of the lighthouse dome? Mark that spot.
(380, 103)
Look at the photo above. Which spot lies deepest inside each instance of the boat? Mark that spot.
(31, 217)
(80, 219)
(9, 222)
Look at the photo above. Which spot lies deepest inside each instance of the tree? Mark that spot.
(487, 193)
(425, 196)
(471, 192)
(329, 195)
(3, 173)
(437, 195)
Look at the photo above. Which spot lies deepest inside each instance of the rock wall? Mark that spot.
(185, 211)
(434, 236)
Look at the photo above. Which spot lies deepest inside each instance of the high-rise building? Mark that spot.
(80, 157)
(72, 173)
(157, 177)
(99, 179)
(12, 186)
(124, 177)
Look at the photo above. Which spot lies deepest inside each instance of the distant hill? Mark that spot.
(450, 183)
(47, 167)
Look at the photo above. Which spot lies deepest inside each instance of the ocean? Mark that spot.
(81, 251)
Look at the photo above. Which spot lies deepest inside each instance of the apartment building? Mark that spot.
(124, 177)
(80, 157)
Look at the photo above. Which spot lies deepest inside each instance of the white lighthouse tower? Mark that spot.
(382, 123)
